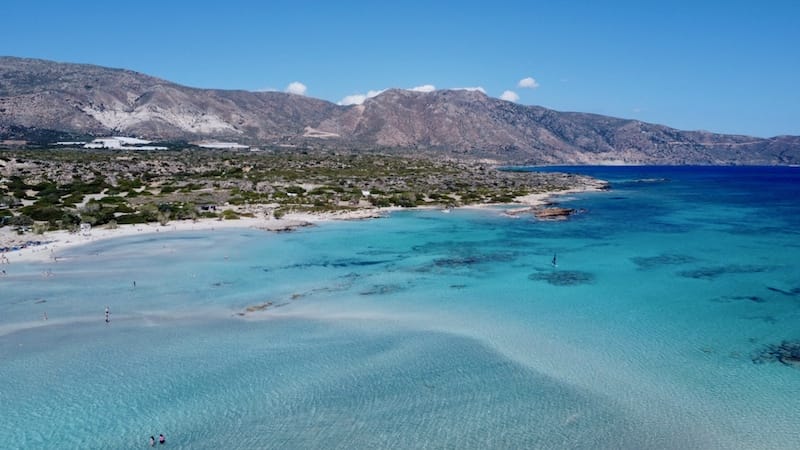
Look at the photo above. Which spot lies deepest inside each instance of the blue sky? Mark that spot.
(724, 66)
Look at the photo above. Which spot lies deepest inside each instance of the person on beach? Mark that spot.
(152, 441)
(161, 439)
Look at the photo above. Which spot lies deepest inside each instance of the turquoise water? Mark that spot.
(427, 330)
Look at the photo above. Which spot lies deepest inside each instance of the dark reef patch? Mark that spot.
(338, 263)
(710, 273)
(664, 259)
(473, 259)
(787, 353)
(255, 308)
(563, 277)
(383, 289)
(472, 262)
(737, 298)
(791, 293)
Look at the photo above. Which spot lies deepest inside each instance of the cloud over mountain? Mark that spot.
(296, 88)
(42, 100)
(509, 96)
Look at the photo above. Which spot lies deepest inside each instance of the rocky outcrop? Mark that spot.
(554, 213)
(787, 353)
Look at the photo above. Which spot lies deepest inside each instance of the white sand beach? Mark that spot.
(46, 246)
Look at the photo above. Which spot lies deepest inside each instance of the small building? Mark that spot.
(122, 143)
(206, 207)
(222, 145)
(85, 228)
(112, 143)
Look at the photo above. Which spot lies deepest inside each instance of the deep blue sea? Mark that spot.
(657, 329)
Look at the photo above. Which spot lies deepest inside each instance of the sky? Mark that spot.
(722, 66)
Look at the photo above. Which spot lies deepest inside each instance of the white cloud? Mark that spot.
(510, 96)
(423, 88)
(296, 87)
(476, 88)
(357, 99)
(529, 83)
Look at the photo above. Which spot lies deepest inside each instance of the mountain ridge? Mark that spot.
(79, 99)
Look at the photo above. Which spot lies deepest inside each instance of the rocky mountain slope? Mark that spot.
(37, 96)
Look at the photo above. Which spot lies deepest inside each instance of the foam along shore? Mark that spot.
(47, 246)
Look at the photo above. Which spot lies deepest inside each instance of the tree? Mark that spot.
(20, 222)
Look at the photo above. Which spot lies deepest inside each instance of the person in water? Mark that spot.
(161, 439)
(152, 441)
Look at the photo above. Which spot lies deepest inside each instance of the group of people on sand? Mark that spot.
(161, 440)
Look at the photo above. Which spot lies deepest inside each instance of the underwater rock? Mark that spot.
(473, 259)
(651, 262)
(563, 277)
(457, 262)
(382, 289)
(555, 213)
(731, 298)
(709, 273)
(254, 308)
(338, 263)
(787, 353)
(791, 293)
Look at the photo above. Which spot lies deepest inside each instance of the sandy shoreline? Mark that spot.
(53, 242)
(532, 202)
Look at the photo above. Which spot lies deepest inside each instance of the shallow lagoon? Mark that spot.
(427, 330)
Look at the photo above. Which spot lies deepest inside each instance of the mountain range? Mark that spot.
(42, 100)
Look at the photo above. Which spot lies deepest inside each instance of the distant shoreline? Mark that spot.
(53, 242)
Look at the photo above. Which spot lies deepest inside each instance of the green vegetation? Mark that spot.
(60, 188)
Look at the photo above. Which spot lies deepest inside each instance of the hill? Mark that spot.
(44, 100)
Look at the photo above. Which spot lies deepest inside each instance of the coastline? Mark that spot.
(49, 243)
(52, 242)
